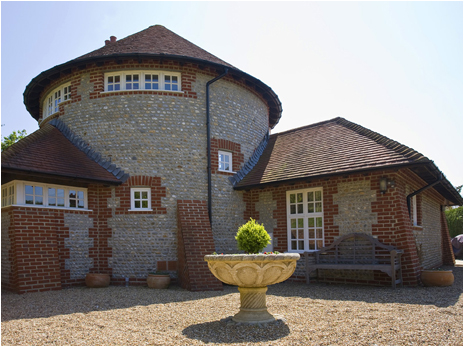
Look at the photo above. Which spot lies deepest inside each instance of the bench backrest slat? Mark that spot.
(355, 248)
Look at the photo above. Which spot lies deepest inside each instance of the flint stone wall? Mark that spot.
(165, 136)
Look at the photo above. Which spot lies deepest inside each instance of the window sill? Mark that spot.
(117, 92)
(141, 210)
(51, 207)
(227, 172)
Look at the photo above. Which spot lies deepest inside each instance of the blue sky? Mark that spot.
(393, 67)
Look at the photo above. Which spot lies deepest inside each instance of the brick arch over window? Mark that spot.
(123, 194)
(228, 146)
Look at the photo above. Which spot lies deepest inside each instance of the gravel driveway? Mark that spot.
(317, 314)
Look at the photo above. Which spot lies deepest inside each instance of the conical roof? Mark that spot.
(155, 42)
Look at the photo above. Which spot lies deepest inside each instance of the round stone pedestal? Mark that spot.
(253, 307)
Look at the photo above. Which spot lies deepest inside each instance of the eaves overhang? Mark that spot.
(10, 174)
(34, 89)
(426, 170)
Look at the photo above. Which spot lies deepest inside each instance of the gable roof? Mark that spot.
(336, 147)
(155, 42)
(49, 154)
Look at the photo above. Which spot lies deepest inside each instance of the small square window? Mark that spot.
(140, 199)
(225, 161)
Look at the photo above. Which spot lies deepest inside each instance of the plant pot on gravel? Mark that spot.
(437, 278)
(158, 280)
(252, 273)
(97, 280)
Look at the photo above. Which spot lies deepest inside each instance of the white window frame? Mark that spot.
(305, 220)
(165, 81)
(134, 200)
(8, 194)
(43, 199)
(53, 99)
(223, 162)
(414, 210)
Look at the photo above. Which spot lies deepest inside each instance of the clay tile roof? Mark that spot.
(336, 147)
(155, 40)
(47, 151)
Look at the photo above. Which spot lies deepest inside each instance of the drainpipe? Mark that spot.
(208, 140)
(408, 198)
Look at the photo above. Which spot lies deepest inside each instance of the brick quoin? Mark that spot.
(194, 240)
(447, 248)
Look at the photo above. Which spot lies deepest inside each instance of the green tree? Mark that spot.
(454, 219)
(13, 138)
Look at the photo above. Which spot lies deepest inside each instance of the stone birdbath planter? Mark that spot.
(252, 273)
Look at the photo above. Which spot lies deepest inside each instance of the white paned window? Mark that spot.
(56, 197)
(225, 161)
(44, 195)
(76, 198)
(132, 82)
(67, 93)
(52, 101)
(305, 220)
(34, 195)
(113, 83)
(142, 80)
(152, 81)
(171, 82)
(8, 195)
(141, 199)
(414, 210)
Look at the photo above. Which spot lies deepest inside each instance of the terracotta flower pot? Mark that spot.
(158, 281)
(252, 273)
(93, 280)
(437, 278)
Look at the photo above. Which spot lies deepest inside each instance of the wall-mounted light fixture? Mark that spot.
(385, 183)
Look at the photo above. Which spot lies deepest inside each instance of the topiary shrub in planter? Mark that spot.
(252, 272)
(252, 237)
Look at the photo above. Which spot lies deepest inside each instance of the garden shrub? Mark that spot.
(252, 237)
(454, 219)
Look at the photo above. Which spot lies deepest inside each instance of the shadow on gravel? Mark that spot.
(226, 332)
(86, 300)
(437, 296)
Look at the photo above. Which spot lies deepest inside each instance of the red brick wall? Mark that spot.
(447, 248)
(195, 240)
(34, 250)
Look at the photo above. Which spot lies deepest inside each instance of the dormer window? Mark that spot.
(142, 80)
(53, 99)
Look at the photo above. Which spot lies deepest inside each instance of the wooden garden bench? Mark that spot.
(357, 251)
